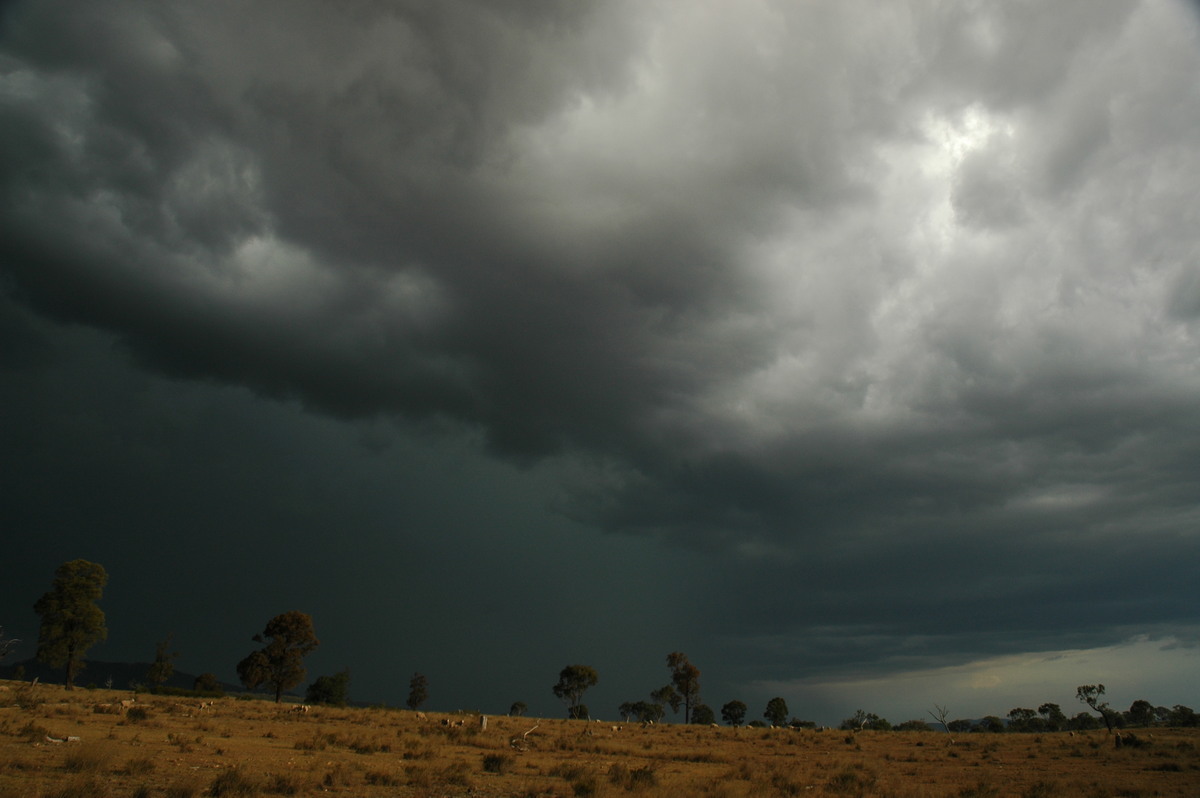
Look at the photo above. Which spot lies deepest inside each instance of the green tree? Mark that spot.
(289, 637)
(913, 725)
(642, 711)
(1052, 716)
(776, 712)
(1141, 713)
(332, 690)
(702, 715)
(991, 723)
(666, 696)
(1083, 722)
(72, 622)
(164, 663)
(685, 678)
(865, 720)
(518, 709)
(1024, 720)
(573, 682)
(207, 683)
(418, 691)
(1183, 716)
(1090, 694)
(734, 713)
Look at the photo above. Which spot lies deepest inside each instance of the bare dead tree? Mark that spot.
(940, 716)
(522, 743)
(6, 646)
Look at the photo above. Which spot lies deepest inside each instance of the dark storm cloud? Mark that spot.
(840, 297)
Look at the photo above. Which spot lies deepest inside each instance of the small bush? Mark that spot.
(138, 767)
(81, 788)
(28, 697)
(136, 715)
(642, 777)
(981, 790)
(850, 781)
(379, 778)
(584, 786)
(337, 776)
(497, 763)
(317, 742)
(88, 758)
(181, 789)
(457, 774)
(234, 783)
(786, 785)
(282, 784)
(568, 771)
(33, 733)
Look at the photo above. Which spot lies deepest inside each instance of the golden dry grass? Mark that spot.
(175, 748)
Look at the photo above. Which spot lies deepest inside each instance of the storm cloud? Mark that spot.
(858, 340)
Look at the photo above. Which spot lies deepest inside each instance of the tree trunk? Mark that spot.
(71, 667)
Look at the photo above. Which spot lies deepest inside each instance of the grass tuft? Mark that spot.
(88, 758)
(234, 784)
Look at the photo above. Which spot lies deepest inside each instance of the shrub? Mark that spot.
(138, 767)
(337, 775)
(642, 777)
(497, 763)
(584, 786)
(33, 733)
(850, 781)
(232, 783)
(180, 789)
(282, 784)
(82, 788)
(379, 778)
(317, 742)
(88, 758)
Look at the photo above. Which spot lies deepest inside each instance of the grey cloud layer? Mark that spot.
(804, 283)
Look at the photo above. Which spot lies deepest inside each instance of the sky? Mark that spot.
(852, 350)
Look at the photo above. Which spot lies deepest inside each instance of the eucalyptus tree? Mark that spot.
(573, 682)
(72, 621)
(289, 637)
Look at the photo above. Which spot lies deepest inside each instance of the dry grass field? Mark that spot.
(184, 747)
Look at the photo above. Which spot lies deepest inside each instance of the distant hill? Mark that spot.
(123, 674)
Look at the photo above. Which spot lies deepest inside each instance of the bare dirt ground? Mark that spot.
(86, 743)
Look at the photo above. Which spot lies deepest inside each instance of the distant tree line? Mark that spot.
(72, 622)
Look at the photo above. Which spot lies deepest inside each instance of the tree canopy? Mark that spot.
(573, 682)
(164, 662)
(72, 622)
(289, 637)
(734, 713)
(685, 678)
(776, 712)
(418, 691)
(332, 690)
(642, 711)
(1090, 694)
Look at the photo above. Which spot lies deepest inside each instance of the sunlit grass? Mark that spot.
(256, 748)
